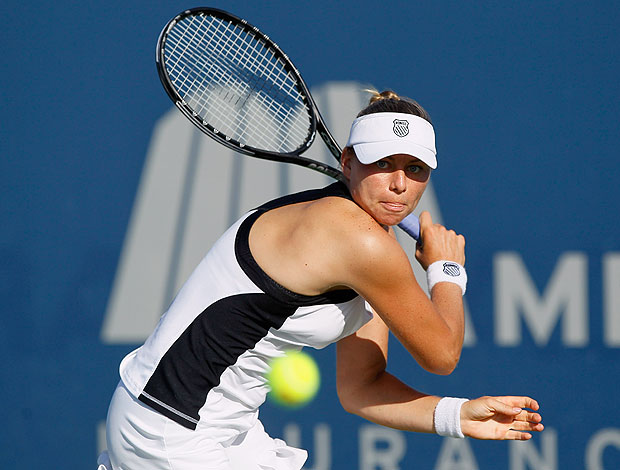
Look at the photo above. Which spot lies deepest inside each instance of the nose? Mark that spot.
(398, 181)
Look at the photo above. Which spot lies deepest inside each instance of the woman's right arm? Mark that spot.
(332, 243)
(374, 264)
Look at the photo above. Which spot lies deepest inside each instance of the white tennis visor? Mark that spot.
(379, 135)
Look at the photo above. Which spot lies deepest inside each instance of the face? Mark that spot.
(389, 189)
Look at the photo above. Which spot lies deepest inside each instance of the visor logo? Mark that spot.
(401, 127)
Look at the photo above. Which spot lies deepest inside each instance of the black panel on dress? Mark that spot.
(213, 341)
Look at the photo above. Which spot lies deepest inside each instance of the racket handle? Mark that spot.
(411, 225)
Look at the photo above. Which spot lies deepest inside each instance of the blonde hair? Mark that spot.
(388, 101)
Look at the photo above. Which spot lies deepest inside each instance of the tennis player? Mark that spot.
(310, 269)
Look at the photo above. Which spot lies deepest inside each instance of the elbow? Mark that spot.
(443, 363)
(346, 400)
(446, 357)
(348, 407)
(445, 368)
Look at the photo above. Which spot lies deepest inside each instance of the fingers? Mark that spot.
(517, 436)
(523, 421)
(520, 431)
(438, 243)
(529, 417)
(514, 406)
(520, 402)
(504, 407)
(426, 218)
(526, 426)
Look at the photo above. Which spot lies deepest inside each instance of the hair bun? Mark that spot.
(388, 101)
(384, 95)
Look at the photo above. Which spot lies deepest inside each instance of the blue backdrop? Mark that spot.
(524, 98)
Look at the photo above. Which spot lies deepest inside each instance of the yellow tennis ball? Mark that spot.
(294, 379)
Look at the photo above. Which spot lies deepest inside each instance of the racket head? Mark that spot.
(236, 85)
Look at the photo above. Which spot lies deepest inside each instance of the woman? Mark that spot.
(303, 270)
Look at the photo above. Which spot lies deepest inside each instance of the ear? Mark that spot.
(345, 161)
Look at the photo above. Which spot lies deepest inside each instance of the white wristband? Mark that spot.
(448, 417)
(446, 271)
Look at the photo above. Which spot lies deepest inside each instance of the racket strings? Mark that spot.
(210, 71)
(255, 61)
(236, 84)
(260, 59)
(241, 128)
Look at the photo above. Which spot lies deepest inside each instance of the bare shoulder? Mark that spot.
(327, 244)
(347, 224)
(361, 248)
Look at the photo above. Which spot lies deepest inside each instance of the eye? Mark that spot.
(382, 164)
(415, 168)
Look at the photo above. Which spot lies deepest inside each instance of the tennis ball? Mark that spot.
(294, 379)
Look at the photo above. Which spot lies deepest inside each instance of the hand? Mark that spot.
(438, 243)
(500, 418)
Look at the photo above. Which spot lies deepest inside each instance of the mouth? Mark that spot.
(394, 207)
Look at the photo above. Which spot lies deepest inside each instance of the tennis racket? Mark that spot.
(237, 86)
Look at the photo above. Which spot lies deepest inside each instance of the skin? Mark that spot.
(334, 243)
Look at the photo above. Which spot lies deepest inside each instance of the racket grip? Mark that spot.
(411, 225)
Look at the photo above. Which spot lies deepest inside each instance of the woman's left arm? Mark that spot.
(366, 389)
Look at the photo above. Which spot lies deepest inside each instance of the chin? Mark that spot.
(391, 219)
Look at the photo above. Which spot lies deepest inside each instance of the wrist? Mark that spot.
(446, 271)
(447, 417)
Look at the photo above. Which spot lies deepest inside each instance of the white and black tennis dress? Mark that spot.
(204, 365)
